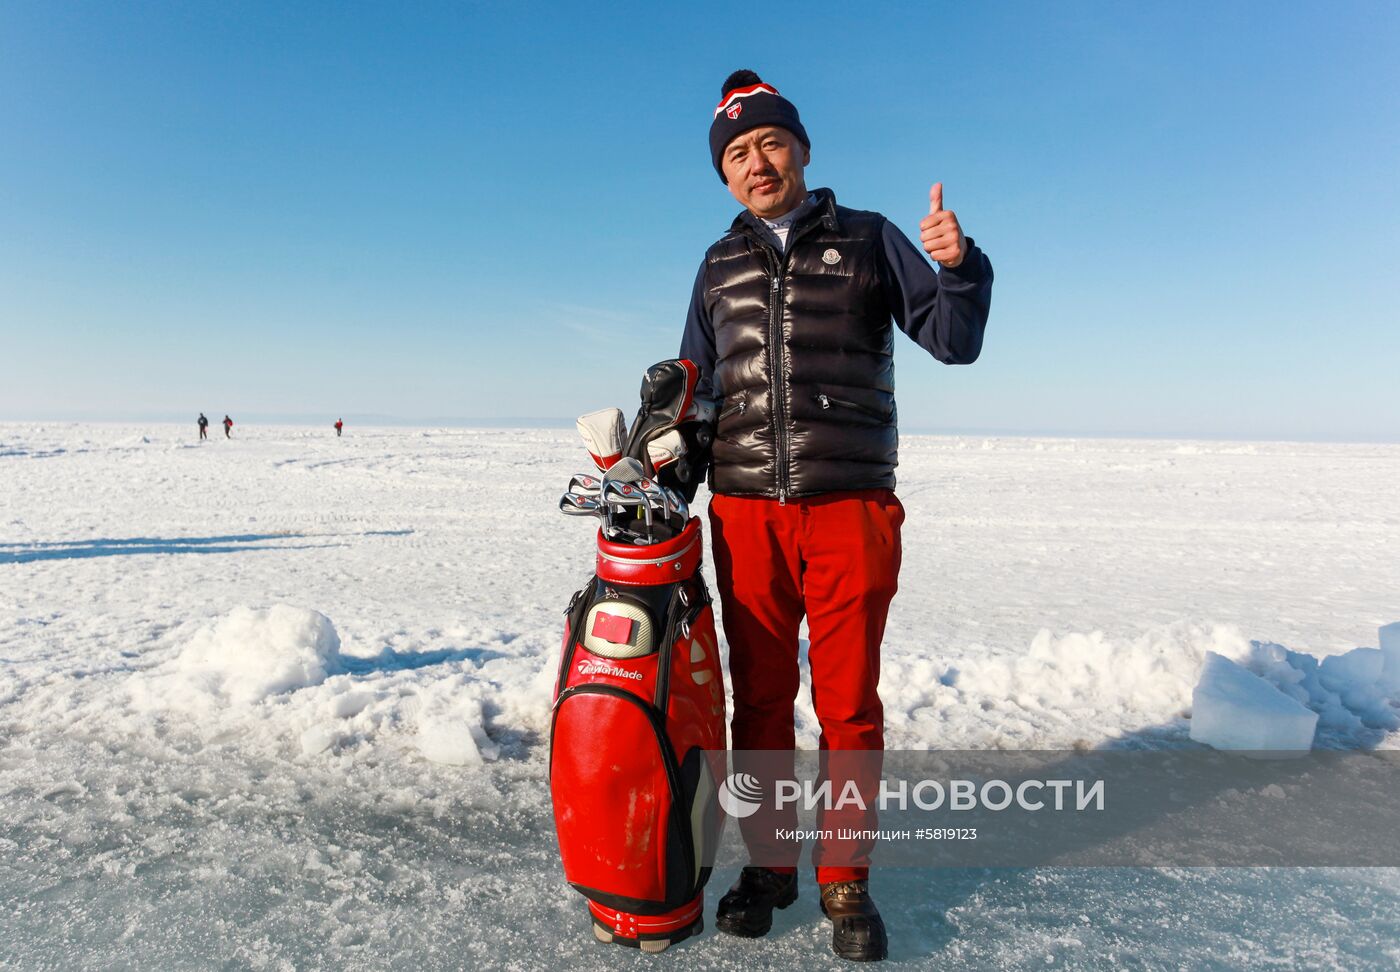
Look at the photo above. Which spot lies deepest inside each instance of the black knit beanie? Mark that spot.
(746, 103)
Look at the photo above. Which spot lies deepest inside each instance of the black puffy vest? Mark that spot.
(804, 357)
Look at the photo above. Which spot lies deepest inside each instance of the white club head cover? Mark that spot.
(665, 449)
(604, 433)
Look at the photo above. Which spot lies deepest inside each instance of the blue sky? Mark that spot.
(496, 211)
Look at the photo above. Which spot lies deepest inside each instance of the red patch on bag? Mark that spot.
(612, 629)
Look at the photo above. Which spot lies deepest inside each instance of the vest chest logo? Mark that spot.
(831, 258)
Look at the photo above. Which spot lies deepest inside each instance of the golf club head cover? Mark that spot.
(667, 454)
(604, 432)
(669, 403)
(665, 449)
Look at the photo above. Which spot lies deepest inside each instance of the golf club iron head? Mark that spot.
(585, 483)
(576, 504)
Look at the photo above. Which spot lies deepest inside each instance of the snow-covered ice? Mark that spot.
(280, 701)
(1232, 708)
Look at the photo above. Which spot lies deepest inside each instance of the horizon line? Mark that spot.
(373, 420)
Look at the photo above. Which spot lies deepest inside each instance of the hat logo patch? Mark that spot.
(831, 258)
(734, 110)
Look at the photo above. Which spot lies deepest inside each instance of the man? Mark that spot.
(203, 426)
(790, 324)
(228, 427)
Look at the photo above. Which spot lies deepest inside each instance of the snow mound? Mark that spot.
(451, 724)
(1354, 694)
(247, 656)
(1053, 692)
(1081, 688)
(1232, 708)
(1351, 692)
(1359, 666)
(1390, 652)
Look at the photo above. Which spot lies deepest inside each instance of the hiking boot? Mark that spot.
(857, 932)
(746, 909)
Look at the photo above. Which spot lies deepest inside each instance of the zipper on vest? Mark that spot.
(780, 351)
(732, 409)
(775, 342)
(827, 401)
(778, 263)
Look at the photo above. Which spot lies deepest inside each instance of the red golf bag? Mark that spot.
(639, 699)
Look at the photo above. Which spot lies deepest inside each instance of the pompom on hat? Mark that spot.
(746, 103)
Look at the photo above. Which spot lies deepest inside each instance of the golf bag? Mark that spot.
(637, 737)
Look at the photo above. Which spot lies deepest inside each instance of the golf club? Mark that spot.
(585, 483)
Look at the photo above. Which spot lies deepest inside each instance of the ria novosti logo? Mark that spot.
(590, 667)
(740, 795)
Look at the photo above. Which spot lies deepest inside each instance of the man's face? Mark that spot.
(764, 168)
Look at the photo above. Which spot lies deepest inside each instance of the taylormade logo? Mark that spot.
(740, 795)
(589, 667)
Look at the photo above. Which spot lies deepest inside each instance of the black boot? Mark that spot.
(746, 909)
(857, 931)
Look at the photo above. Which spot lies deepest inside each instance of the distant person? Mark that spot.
(203, 426)
(228, 427)
(338, 426)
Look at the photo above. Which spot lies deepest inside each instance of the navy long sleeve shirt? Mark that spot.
(945, 312)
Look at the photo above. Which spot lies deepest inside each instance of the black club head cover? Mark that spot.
(668, 403)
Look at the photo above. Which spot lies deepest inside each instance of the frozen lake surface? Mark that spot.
(198, 772)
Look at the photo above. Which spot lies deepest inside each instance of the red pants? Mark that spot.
(834, 558)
